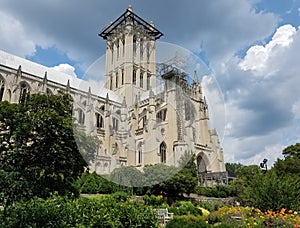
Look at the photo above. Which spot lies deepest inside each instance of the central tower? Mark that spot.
(130, 55)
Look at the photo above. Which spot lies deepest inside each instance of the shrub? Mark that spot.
(92, 183)
(211, 205)
(185, 208)
(83, 212)
(187, 221)
(220, 191)
(153, 200)
(120, 196)
(270, 191)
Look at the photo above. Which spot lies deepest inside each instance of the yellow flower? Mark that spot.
(205, 212)
(254, 223)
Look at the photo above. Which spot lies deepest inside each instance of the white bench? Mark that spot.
(164, 216)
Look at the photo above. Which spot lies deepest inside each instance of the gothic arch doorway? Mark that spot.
(201, 164)
(201, 167)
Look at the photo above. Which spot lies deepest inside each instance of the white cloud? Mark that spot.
(263, 113)
(65, 68)
(258, 56)
(14, 38)
(215, 100)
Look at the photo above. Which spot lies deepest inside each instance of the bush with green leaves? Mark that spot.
(185, 208)
(220, 191)
(212, 205)
(187, 221)
(104, 211)
(153, 200)
(268, 191)
(92, 183)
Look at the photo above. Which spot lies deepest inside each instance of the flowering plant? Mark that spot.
(251, 217)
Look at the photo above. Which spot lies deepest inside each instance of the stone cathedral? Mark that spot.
(147, 113)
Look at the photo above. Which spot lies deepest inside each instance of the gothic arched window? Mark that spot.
(139, 153)
(118, 49)
(99, 121)
(163, 152)
(141, 79)
(134, 45)
(115, 124)
(122, 77)
(81, 117)
(134, 77)
(148, 52)
(161, 116)
(117, 78)
(148, 81)
(141, 49)
(110, 82)
(2, 87)
(123, 45)
(24, 90)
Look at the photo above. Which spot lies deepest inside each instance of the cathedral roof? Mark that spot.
(136, 20)
(12, 61)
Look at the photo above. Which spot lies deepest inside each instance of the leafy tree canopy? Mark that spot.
(292, 151)
(232, 168)
(37, 144)
(291, 162)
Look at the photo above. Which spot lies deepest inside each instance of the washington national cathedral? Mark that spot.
(147, 113)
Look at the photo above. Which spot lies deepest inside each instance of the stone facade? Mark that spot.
(136, 121)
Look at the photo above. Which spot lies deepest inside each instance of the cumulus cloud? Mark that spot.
(262, 111)
(65, 68)
(258, 56)
(14, 39)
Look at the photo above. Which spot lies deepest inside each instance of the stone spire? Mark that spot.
(196, 81)
(45, 78)
(124, 102)
(68, 86)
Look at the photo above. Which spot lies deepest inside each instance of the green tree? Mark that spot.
(270, 191)
(292, 151)
(291, 162)
(248, 172)
(173, 181)
(92, 183)
(232, 168)
(267, 191)
(38, 144)
(127, 176)
(187, 163)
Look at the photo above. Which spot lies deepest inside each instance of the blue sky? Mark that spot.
(252, 47)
